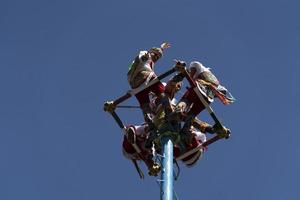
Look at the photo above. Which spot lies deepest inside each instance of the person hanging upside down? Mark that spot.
(133, 147)
(138, 135)
(192, 152)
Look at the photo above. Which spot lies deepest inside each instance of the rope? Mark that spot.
(123, 106)
(178, 170)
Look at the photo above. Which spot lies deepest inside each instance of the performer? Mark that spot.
(138, 135)
(141, 72)
(190, 105)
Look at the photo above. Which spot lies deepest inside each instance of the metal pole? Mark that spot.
(166, 187)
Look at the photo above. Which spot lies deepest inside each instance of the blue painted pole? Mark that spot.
(166, 187)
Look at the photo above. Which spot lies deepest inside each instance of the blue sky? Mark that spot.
(60, 60)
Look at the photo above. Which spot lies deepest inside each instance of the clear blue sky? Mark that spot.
(60, 60)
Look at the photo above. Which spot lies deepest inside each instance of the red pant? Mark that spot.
(192, 97)
(130, 152)
(143, 96)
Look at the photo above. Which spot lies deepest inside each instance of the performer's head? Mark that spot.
(172, 87)
(196, 68)
(155, 53)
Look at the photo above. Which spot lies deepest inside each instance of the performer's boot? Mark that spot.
(222, 131)
(203, 126)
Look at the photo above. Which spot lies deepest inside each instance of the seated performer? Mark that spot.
(141, 72)
(190, 105)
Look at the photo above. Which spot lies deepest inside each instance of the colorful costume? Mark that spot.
(141, 72)
(141, 134)
(190, 105)
(198, 138)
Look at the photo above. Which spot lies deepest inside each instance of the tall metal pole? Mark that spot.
(166, 187)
